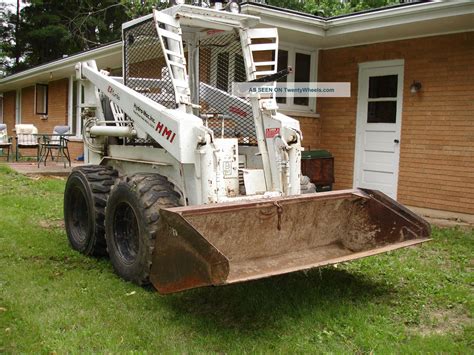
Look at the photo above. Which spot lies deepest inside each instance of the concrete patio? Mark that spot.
(51, 169)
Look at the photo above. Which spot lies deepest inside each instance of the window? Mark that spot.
(1, 108)
(18, 106)
(304, 69)
(75, 106)
(302, 75)
(41, 99)
(222, 81)
(239, 69)
(230, 68)
(382, 100)
(282, 64)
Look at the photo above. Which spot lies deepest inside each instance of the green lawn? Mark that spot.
(53, 299)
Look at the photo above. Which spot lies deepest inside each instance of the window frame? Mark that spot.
(313, 74)
(213, 79)
(45, 99)
(1, 108)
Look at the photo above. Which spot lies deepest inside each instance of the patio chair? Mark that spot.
(5, 140)
(56, 141)
(26, 138)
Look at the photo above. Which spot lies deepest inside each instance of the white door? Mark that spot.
(379, 115)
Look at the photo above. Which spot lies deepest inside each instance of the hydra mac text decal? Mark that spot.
(112, 92)
(158, 126)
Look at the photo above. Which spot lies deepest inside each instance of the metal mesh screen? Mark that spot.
(145, 65)
(221, 63)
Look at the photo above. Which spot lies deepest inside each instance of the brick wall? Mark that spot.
(437, 140)
(57, 109)
(9, 111)
(57, 106)
(311, 129)
(76, 148)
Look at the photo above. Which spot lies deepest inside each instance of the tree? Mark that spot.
(49, 29)
(328, 8)
(10, 48)
(45, 30)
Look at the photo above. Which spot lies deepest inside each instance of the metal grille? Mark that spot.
(145, 66)
(221, 63)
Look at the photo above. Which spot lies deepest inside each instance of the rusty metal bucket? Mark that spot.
(234, 242)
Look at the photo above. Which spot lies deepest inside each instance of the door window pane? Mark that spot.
(282, 64)
(382, 112)
(383, 86)
(302, 70)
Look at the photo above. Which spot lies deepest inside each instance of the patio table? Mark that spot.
(50, 141)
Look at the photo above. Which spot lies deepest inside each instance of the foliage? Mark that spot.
(9, 51)
(50, 29)
(54, 300)
(328, 8)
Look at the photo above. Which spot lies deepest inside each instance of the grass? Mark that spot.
(53, 299)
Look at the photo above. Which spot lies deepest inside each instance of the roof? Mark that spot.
(384, 24)
(389, 23)
(325, 18)
(106, 55)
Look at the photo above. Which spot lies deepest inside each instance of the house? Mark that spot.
(413, 62)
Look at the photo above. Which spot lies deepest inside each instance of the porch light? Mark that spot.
(415, 87)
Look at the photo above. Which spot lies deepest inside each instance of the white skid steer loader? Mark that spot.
(187, 185)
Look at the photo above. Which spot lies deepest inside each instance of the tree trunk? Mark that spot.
(17, 28)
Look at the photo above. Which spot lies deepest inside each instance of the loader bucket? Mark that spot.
(235, 242)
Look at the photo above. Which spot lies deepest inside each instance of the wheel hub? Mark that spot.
(126, 233)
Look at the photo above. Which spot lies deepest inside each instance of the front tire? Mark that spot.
(131, 220)
(85, 196)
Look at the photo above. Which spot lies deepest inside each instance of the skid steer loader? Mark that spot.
(187, 185)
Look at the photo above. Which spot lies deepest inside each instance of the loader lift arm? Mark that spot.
(174, 131)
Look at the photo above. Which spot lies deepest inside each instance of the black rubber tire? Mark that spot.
(85, 197)
(131, 222)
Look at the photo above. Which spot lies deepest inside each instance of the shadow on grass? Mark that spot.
(262, 304)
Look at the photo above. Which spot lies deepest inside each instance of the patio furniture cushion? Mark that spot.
(57, 132)
(26, 135)
(4, 139)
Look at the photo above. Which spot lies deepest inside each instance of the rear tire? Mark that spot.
(131, 220)
(85, 197)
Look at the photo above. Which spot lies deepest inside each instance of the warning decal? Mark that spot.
(272, 132)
